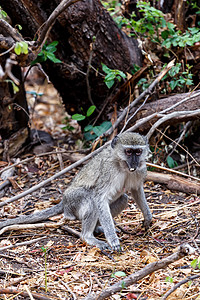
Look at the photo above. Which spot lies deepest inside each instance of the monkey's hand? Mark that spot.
(147, 222)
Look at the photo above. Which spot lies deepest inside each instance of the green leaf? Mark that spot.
(194, 263)
(52, 57)
(90, 110)
(18, 48)
(89, 137)
(78, 117)
(99, 130)
(118, 274)
(171, 162)
(105, 68)
(88, 128)
(169, 279)
(109, 83)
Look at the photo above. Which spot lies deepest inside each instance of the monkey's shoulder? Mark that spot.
(94, 170)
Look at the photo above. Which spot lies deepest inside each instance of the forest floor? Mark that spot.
(74, 269)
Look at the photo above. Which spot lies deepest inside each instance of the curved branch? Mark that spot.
(176, 114)
(51, 20)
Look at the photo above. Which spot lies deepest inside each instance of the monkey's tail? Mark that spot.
(36, 217)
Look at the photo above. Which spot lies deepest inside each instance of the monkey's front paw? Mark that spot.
(147, 223)
(116, 246)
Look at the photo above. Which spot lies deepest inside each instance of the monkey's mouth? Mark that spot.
(132, 169)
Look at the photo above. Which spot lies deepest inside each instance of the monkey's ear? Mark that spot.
(114, 141)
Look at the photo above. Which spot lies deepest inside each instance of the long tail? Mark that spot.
(36, 217)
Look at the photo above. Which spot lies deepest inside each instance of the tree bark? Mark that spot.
(84, 30)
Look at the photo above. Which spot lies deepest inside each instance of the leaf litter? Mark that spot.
(73, 268)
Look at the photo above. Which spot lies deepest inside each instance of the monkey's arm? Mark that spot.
(107, 224)
(140, 199)
(36, 217)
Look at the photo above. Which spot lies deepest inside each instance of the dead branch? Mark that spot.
(177, 285)
(30, 226)
(15, 291)
(22, 243)
(174, 182)
(182, 251)
(173, 115)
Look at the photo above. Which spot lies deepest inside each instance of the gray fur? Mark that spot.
(97, 193)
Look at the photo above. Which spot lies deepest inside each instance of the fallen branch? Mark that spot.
(174, 182)
(177, 285)
(22, 243)
(15, 291)
(182, 251)
(30, 226)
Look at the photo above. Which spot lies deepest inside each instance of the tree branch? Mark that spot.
(173, 115)
(179, 284)
(46, 27)
(182, 251)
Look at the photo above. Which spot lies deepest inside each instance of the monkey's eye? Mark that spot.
(138, 152)
(129, 152)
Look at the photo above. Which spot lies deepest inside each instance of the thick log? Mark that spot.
(174, 182)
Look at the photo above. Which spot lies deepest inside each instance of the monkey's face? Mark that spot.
(130, 149)
(133, 157)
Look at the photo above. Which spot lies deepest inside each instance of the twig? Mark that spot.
(22, 293)
(68, 288)
(182, 251)
(192, 157)
(50, 21)
(177, 285)
(29, 292)
(22, 243)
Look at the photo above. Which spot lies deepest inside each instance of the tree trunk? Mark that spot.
(85, 30)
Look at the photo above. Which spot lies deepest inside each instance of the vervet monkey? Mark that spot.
(97, 193)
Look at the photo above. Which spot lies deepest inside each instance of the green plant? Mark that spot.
(169, 279)
(171, 162)
(21, 48)
(3, 14)
(195, 263)
(14, 86)
(47, 53)
(118, 274)
(45, 264)
(112, 75)
(81, 117)
(92, 132)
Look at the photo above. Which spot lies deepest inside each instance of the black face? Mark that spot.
(133, 158)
